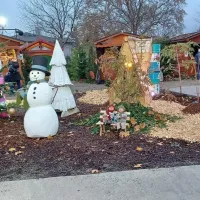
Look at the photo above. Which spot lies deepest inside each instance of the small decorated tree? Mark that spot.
(129, 84)
(63, 99)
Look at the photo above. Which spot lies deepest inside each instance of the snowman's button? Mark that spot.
(33, 92)
(34, 88)
(34, 97)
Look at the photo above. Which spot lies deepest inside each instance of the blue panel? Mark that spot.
(155, 77)
(156, 48)
(155, 66)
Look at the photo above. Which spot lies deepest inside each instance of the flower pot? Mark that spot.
(2, 81)
(4, 115)
(2, 100)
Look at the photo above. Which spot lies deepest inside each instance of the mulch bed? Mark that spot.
(75, 151)
(192, 107)
(182, 99)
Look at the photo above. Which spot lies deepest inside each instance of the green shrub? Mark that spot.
(82, 62)
(145, 117)
(26, 66)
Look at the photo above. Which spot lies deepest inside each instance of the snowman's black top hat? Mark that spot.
(40, 63)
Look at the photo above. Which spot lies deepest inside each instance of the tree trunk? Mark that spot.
(179, 72)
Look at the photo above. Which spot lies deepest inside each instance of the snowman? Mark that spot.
(41, 119)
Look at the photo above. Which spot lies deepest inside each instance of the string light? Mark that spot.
(128, 65)
(3, 21)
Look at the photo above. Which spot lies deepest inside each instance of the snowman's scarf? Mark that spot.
(22, 96)
(38, 82)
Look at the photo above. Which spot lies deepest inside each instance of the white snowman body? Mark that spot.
(41, 119)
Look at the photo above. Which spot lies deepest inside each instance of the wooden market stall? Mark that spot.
(39, 47)
(103, 44)
(10, 50)
(184, 38)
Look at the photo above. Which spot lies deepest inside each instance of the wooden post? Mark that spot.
(20, 66)
(101, 130)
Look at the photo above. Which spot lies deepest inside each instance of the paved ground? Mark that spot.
(188, 87)
(175, 84)
(181, 183)
(189, 90)
(82, 87)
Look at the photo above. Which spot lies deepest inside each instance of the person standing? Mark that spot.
(14, 73)
(197, 59)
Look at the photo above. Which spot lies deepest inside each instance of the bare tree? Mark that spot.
(153, 17)
(55, 18)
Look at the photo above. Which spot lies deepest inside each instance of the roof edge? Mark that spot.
(113, 35)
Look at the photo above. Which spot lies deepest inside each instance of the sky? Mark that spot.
(10, 11)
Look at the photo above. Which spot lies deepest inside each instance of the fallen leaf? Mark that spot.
(22, 132)
(137, 128)
(142, 126)
(95, 171)
(133, 121)
(18, 153)
(12, 149)
(139, 149)
(22, 147)
(158, 117)
(150, 112)
(116, 142)
(128, 125)
(172, 152)
(160, 144)
(124, 134)
(49, 137)
(138, 166)
(5, 143)
(164, 119)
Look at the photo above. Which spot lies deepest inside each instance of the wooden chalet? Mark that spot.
(184, 38)
(115, 40)
(38, 48)
(10, 50)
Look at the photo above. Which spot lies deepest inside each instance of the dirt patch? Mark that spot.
(193, 108)
(75, 151)
(182, 99)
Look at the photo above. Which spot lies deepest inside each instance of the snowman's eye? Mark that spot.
(32, 73)
(38, 72)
